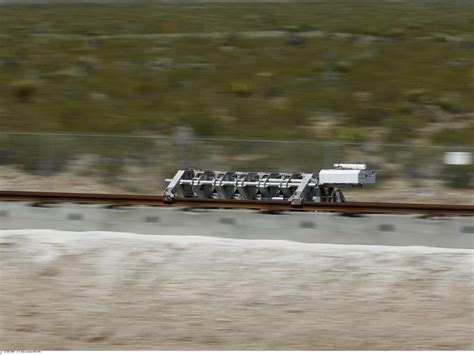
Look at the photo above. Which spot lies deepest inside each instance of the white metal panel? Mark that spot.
(349, 176)
(350, 166)
(457, 158)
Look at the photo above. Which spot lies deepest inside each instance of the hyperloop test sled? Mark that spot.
(324, 186)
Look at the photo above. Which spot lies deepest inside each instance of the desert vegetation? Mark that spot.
(387, 72)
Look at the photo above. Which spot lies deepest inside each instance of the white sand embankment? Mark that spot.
(120, 291)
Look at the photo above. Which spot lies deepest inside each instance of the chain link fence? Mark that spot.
(139, 164)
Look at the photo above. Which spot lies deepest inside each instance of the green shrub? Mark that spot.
(402, 129)
(455, 136)
(87, 64)
(343, 66)
(458, 176)
(363, 97)
(240, 88)
(294, 39)
(398, 33)
(24, 90)
(419, 96)
(351, 134)
(317, 66)
(370, 115)
(450, 102)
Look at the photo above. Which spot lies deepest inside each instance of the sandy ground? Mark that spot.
(116, 291)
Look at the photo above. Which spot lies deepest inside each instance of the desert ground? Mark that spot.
(116, 291)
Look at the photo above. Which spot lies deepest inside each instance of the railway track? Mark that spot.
(353, 208)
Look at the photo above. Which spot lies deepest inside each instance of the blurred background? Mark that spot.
(115, 97)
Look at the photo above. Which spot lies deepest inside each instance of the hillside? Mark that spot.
(387, 72)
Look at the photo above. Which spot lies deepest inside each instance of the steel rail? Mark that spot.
(44, 198)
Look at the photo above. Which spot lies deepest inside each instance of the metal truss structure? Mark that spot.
(294, 187)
